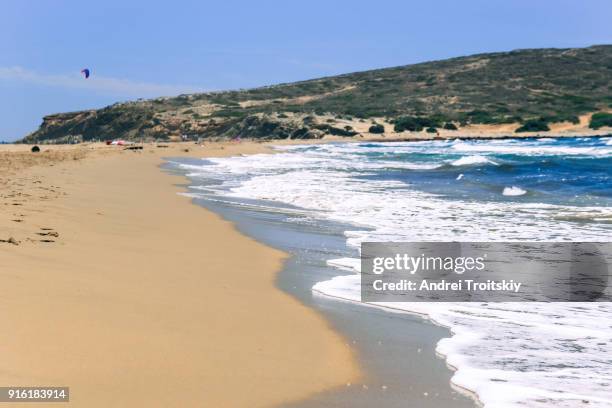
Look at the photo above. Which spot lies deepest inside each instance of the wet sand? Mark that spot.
(395, 350)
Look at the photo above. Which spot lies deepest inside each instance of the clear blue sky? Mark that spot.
(146, 48)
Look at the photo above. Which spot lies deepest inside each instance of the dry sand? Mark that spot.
(130, 295)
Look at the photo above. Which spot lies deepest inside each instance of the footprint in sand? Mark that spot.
(48, 234)
(11, 240)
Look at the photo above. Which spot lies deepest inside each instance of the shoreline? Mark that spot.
(476, 132)
(359, 372)
(426, 318)
(276, 174)
(420, 376)
(104, 309)
(487, 137)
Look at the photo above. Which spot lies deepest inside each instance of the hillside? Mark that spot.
(533, 88)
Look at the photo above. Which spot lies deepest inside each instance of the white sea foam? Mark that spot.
(472, 160)
(513, 191)
(347, 264)
(510, 354)
(515, 354)
(533, 149)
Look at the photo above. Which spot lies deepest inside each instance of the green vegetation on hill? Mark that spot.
(377, 128)
(506, 87)
(534, 125)
(601, 119)
(414, 123)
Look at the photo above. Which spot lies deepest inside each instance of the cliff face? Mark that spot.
(552, 85)
(54, 126)
(109, 122)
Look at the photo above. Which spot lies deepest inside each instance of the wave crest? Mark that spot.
(472, 160)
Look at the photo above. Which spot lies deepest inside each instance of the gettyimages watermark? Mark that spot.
(486, 272)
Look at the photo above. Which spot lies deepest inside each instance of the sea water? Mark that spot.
(509, 354)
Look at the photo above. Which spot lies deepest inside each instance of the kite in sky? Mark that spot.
(85, 71)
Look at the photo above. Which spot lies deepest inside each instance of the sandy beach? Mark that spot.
(121, 289)
(237, 205)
